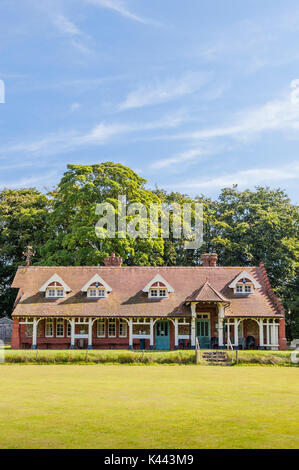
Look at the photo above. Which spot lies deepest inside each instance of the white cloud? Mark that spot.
(277, 115)
(248, 178)
(100, 134)
(119, 7)
(183, 157)
(49, 178)
(75, 106)
(65, 25)
(189, 156)
(161, 92)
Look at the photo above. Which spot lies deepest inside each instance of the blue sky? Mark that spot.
(194, 95)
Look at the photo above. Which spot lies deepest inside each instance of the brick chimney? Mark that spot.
(209, 259)
(113, 260)
(213, 259)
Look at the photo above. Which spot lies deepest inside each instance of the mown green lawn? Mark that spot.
(166, 406)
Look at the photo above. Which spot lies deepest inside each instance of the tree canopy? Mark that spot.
(243, 227)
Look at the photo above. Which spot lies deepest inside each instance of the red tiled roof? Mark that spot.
(127, 299)
(206, 293)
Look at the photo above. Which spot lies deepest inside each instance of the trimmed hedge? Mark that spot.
(281, 358)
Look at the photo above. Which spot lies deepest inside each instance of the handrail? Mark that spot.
(229, 344)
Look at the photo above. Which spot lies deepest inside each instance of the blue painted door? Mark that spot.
(203, 333)
(162, 335)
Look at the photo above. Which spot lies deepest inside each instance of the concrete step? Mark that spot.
(216, 357)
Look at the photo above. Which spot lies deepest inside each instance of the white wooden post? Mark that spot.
(89, 334)
(34, 333)
(268, 333)
(130, 333)
(220, 332)
(276, 334)
(220, 326)
(176, 333)
(193, 325)
(151, 333)
(72, 333)
(236, 333)
(274, 337)
(228, 333)
(261, 326)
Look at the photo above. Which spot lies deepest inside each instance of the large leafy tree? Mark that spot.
(243, 227)
(246, 228)
(73, 240)
(260, 225)
(23, 221)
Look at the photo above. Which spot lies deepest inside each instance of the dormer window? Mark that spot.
(244, 284)
(244, 288)
(96, 288)
(55, 288)
(158, 288)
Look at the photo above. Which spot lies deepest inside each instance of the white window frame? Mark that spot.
(49, 322)
(121, 324)
(112, 321)
(68, 329)
(101, 321)
(59, 322)
(158, 290)
(241, 288)
(55, 290)
(100, 293)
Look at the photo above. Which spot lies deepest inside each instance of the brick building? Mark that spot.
(114, 306)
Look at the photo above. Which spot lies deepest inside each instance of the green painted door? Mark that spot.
(162, 335)
(203, 333)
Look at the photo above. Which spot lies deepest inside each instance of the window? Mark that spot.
(122, 329)
(111, 328)
(162, 328)
(68, 329)
(203, 328)
(244, 283)
(55, 292)
(158, 293)
(49, 329)
(29, 331)
(244, 288)
(60, 328)
(101, 333)
(96, 293)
